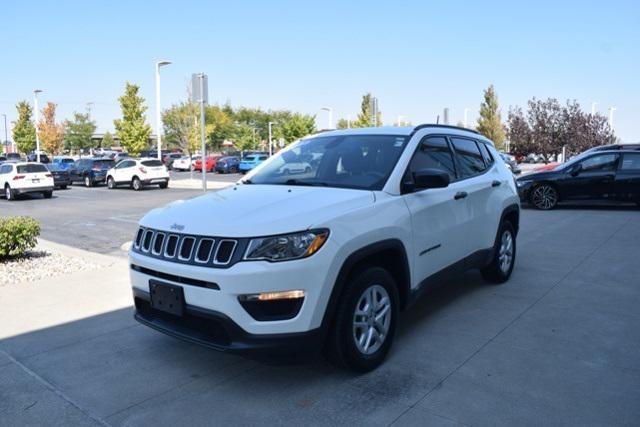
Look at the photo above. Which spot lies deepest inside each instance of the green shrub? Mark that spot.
(17, 235)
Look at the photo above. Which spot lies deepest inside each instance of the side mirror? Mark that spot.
(428, 178)
(576, 169)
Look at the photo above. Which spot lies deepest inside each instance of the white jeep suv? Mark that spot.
(138, 173)
(327, 256)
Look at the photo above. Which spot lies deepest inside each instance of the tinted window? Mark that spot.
(486, 154)
(152, 163)
(600, 163)
(32, 168)
(54, 167)
(5, 169)
(433, 153)
(262, 158)
(469, 157)
(630, 162)
(103, 164)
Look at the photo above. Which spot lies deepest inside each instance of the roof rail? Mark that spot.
(428, 125)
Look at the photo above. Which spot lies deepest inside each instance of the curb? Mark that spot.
(103, 260)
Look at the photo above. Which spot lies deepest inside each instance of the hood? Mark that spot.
(256, 210)
(535, 176)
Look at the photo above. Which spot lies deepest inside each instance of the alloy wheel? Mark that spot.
(544, 197)
(372, 319)
(505, 255)
(7, 192)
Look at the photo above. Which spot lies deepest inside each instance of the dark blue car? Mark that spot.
(90, 171)
(228, 164)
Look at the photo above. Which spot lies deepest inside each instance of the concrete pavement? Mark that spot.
(558, 344)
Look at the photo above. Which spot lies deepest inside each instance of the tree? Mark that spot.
(51, 133)
(364, 118)
(24, 132)
(179, 122)
(489, 122)
(107, 140)
(296, 126)
(518, 132)
(132, 129)
(245, 137)
(78, 132)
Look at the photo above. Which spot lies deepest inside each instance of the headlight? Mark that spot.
(522, 183)
(287, 246)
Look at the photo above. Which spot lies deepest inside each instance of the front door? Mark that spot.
(592, 178)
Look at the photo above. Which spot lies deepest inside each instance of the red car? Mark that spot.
(210, 165)
(547, 167)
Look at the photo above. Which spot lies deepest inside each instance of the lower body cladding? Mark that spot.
(251, 308)
(155, 181)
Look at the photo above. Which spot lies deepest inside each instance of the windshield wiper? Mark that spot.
(246, 181)
(305, 183)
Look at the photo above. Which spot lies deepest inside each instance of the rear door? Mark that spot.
(438, 218)
(627, 182)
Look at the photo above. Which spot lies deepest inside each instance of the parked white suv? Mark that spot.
(327, 257)
(25, 177)
(138, 173)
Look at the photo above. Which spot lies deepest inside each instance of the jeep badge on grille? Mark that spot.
(176, 226)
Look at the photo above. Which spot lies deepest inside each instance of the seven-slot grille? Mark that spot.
(185, 248)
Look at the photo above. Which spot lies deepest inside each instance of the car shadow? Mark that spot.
(591, 205)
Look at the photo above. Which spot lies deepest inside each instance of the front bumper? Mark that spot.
(524, 189)
(217, 331)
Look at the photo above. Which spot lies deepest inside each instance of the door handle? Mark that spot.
(460, 195)
(496, 183)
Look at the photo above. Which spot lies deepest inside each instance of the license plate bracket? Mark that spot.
(167, 297)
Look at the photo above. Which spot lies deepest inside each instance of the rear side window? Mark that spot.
(152, 163)
(32, 168)
(469, 157)
(433, 153)
(486, 154)
(630, 162)
(5, 169)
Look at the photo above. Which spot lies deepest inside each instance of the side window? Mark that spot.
(486, 154)
(630, 162)
(433, 153)
(469, 157)
(5, 169)
(263, 158)
(600, 163)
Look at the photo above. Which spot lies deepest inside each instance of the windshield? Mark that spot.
(249, 158)
(103, 164)
(570, 163)
(151, 163)
(54, 167)
(346, 161)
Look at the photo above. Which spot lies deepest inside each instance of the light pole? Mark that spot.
(270, 144)
(6, 138)
(158, 122)
(35, 105)
(611, 110)
(348, 121)
(400, 120)
(330, 111)
(466, 115)
(593, 108)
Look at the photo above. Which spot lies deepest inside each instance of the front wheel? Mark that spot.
(504, 255)
(365, 321)
(87, 181)
(544, 197)
(47, 194)
(63, 187)
(111, 183)
(9, 194)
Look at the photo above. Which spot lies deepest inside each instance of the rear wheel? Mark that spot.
(504, 255)
(365, 321)
(163, 185)
(544, 196)
(9, 193)
(63, 187)
(136, 183)
(47, 194)
(111, 183)
(87, 181)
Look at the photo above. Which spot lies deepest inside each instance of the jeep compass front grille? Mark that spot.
(211, 251)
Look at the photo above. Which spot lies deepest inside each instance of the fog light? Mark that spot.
(272, 296)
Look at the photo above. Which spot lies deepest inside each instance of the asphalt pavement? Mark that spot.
(558, 344)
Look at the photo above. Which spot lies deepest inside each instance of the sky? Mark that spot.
(416, 57)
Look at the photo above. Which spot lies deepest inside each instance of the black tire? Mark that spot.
(47, 194)
(111, 183)
(233, 170)
(544, 197)
(136, 184)
(341, 347)
(496, 271)
(9, 194)
(63, 187)
(163, 185)
(87, 181)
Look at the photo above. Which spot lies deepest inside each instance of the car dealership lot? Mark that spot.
(557, 344)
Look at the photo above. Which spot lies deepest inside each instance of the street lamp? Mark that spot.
(158, 122)
(466, 115)
(35, 104)
(593, 108)
(330, 111)
(400, 120)
(611, 110)
(6, 138)
(270, 143)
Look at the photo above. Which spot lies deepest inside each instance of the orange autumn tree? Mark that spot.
(51, 133)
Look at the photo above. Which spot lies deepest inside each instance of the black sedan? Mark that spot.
(597, 175)
(61, 178)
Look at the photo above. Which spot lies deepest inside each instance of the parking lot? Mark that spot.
(557, 344)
